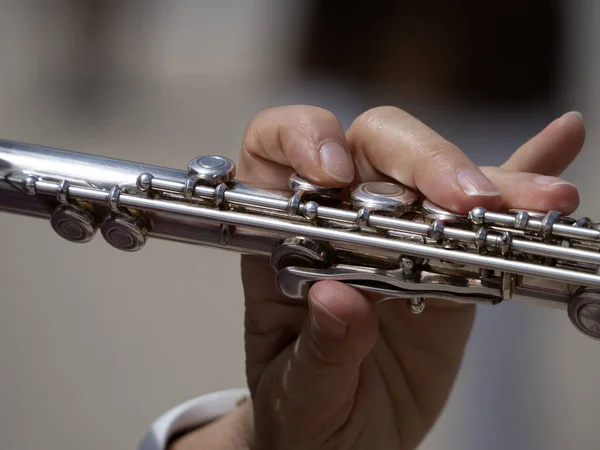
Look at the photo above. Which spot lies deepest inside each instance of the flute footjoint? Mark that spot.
(379, 237)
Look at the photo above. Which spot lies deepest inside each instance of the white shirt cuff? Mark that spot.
(191, 415)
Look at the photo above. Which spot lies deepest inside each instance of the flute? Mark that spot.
(379, 237)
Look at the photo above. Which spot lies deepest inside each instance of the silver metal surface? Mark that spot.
(73, 223)
(124, 232)
(435, 212)
(299, 184)
(212, 170)
(383, 197)
(384, 240)
(584, 311)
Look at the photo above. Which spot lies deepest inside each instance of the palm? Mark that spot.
(404, 382)
(418, 358)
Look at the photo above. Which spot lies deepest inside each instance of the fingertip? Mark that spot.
(461, 191)
(553, 149)
(315, 145)
(571, 128)
(556, 194)
(474, 183)
(573, 123)
(340, 299)
(448, 178)
(337, 162)
(333, 302)
(308, 139)
(534, 192)
(477, 189)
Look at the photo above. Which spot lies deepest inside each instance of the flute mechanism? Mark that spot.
(379, 237)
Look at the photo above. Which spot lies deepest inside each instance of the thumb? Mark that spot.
(323, 371)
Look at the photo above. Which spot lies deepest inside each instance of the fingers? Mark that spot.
(552, 150)
(548, 153)
(533, 192)
(388, 142)
(304, 139)
(392, 142)
(322, 373)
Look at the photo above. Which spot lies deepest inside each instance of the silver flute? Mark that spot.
(378, 237)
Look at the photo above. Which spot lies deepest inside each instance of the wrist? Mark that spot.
(233, 431)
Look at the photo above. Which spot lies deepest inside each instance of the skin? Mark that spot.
(341, 372)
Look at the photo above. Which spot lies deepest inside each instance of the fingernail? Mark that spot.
(551, 181)
(325, 321)
(336, 162)
(575, 113)
(474, 183)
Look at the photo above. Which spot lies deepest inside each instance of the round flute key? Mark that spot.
(384, 197)
(212, 170)
(299, 184)
(300, 252)
(73, 223)
(589, 317)
(584, 312)
(124, 233)
(436, 212)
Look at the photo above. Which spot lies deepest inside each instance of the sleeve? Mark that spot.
(190, 415)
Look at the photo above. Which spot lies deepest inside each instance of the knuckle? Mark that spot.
(439, 151)
(316, 123)
(293, 115)
(289, 123)
(255, 132)
(322, 115)
(375, 118)
(260, 119)
(252, 140)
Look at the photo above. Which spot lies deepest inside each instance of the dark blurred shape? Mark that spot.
(504, 52)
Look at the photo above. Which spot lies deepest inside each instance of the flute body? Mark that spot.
(379, 237)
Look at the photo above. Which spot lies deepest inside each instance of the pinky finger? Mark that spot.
(552, 150)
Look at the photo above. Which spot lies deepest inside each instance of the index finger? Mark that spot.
(388, 141)
(303, 139)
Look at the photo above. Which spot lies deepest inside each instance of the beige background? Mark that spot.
(95, 344)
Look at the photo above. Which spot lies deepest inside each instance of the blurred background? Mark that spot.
(95, 344)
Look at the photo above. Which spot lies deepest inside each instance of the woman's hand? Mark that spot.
(341, 373)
